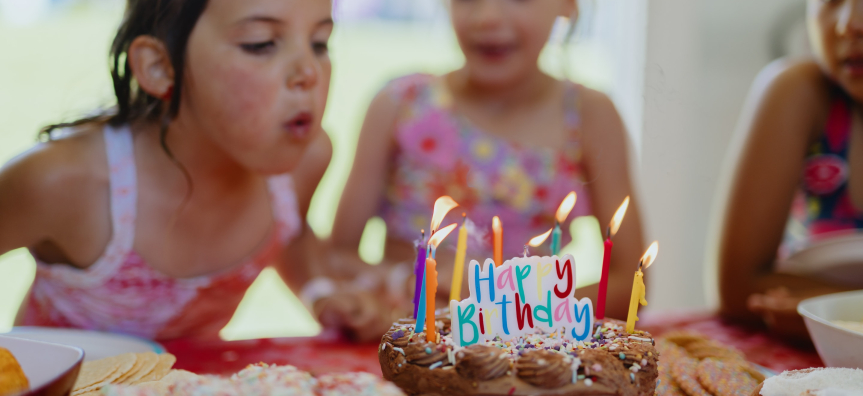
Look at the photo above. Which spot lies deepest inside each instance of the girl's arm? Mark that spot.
(50, 197)
(363, 191)
(783, 115)
(606, 160)
(306, 256)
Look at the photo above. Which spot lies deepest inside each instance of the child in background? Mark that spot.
(499, 136)
(799, 178)
(154, 218)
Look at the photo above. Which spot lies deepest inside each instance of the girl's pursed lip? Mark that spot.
(300, 125)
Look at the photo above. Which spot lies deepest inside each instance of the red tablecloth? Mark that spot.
(330, 353)
(326, 353)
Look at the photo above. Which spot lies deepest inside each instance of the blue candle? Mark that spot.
(555, 239)
(421, 312)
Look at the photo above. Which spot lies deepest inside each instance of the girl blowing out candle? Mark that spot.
(174, 200)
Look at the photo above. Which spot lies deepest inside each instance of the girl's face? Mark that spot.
(836, 35)
(256, 79)
(502, 39)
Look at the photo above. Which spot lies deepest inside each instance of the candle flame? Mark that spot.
(566, 207)
(441, 207)
(650, 255)
(539, 239)
(618, 217)
(439, 236)
(496, 226)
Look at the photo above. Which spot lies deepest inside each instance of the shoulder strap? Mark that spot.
(572, 105)
(123, 186)
(289, 223)
(838, 127)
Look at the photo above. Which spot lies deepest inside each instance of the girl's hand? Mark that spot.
(363, 315)
(778, 309)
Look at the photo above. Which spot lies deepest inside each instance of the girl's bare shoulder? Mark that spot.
(71, 170)
(799, 83)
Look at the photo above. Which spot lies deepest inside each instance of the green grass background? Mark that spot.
(56, 70)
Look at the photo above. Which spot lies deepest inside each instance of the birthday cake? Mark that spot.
(520, 332)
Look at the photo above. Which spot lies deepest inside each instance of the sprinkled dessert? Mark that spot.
(609, 361)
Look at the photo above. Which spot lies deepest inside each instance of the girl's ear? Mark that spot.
(570, 10)
(151, 66)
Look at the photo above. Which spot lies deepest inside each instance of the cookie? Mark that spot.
(685, 374)
(683, 338)
(725, 378)
(665, 385)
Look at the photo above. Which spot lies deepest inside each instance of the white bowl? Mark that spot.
(837, 346)
(96, 345)
(51, 369)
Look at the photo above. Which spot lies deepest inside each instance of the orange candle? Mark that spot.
(497, 230)
(431, 288)
(431, 281)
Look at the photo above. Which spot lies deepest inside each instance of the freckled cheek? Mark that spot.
(249, 106)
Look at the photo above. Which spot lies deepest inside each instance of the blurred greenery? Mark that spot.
(56, 70)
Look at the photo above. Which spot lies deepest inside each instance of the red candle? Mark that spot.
(603, 281)
(613, 226)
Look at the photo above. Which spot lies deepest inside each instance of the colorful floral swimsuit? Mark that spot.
(822, 207)
(438, 152)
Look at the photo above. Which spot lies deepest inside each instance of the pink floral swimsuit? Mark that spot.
(121, 293)
(822, 207)
(438, 152)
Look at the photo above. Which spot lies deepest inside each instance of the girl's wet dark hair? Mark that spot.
(170, 21)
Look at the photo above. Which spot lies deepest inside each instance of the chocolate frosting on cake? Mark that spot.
(424, 353)
(611, 362)
(545, 369)
(481, 362)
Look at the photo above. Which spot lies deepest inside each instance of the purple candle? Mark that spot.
(419, 270)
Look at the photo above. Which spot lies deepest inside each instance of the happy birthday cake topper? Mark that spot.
(517, 298)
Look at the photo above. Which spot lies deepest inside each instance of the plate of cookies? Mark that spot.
(692, 364)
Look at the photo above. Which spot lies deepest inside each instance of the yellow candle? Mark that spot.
(638, 297)
(458, 268)
(638, 289)
(497, 230)
(431, 288)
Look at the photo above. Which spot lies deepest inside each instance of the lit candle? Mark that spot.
(561, 215)
(537, 241)
(613, 226)
(458, 267)
(638, 289)
(442, 206)
(419, 270)
(497, 231)
(431, 282)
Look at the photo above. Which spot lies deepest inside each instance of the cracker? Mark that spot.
(98, 373)
(725, 378)
(144, 365)
(684, 372)
(162, 368)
